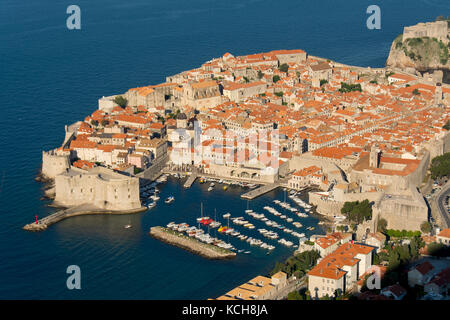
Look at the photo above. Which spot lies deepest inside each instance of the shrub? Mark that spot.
(284, 67)
(121, 101)
(425, 227)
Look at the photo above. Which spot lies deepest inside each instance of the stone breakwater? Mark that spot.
(192, 245)
(84, 209)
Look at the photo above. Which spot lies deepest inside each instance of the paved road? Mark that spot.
(441, 204)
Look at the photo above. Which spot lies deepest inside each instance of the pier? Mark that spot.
(84, 209)
(190, 180)
(259, 191)
(192, 245)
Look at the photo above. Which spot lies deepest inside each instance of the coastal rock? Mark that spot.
(419, 55)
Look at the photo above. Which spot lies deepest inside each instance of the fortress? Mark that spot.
(438, 30)
(101, 187)
(54, 162)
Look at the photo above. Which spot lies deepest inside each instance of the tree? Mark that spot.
(121, 101)
(294, 295)
(104, 122)
(440, 166)
(447, 125)
(345, 87)
(382, 225)
(425, 227)
(94, 123)
(260, 74)
(357, 211)
(323, 81)
(416, 92)
(284, 67)
(275, 79)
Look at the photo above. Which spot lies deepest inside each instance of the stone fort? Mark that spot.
(438, 30)
(99, 186)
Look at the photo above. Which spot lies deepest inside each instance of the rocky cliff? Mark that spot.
(422, 54)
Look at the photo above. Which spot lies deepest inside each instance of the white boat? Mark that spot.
(151, 205)
(127, 226)
(210, 188)
(169, 199)
(226, 215)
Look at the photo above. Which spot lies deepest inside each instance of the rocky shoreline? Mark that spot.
(192, 245)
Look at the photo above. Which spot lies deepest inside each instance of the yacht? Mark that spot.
(127, 226)
(170, 199)
(154, 197)
(226, 215)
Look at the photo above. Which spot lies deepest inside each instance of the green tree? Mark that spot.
(121, 101)
(345, 87)
(447, 125)
(416, 92)
(440, 166)
(276, 78)
(284, 67)
(294, 295)
(94, 123)
(260, 74)
(323, 81)
(357, 211)
(382, 224)
(425, 227)
(104, 122)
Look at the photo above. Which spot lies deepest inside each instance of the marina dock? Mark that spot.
(192, 245)
(259, 191)
(190, 180)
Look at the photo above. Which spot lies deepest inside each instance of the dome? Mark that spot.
(181, 116)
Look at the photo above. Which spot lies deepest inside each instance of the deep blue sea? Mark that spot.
(52, 76)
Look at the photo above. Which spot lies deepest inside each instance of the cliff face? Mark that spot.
(422, 54)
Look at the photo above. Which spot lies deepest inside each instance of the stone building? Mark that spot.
(340, 270)
(240, 91)
(150, 96)
(202, 95)
(99, 186)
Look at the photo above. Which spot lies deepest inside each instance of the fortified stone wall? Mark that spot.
(403, 212)
(101, 187)
(54, 163)
(438, 29)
